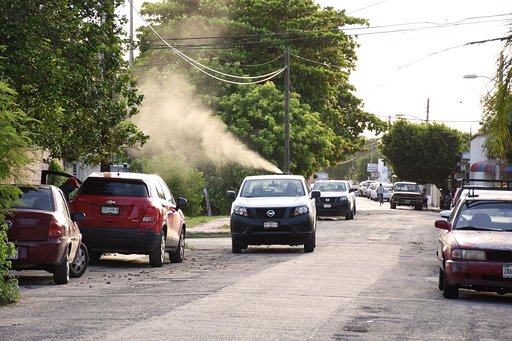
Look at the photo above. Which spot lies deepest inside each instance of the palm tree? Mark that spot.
(497, 119)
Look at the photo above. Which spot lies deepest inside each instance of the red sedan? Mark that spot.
(475, 244)
(46, 235)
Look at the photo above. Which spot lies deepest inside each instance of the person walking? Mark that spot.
(380, 193)
(69, 186)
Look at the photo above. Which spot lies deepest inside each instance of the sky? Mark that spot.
(421, 60)
(398, 72)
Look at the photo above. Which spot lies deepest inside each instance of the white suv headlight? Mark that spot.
(300, 210)
(240, 210)
(343, 198)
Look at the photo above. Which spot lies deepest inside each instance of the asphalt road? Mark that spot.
(371, 278)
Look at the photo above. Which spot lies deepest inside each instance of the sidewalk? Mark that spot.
(220, 225)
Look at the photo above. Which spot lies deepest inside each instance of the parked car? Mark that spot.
(474, 248)
(372, 186)
(406, 194)
(336, 199)
(46, 235)
(388, 189)
(363, 188)
(131, 213)
(273, 209)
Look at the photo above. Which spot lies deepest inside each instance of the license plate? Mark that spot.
(270, 224)
(407, 201)
(327, 205)
(15, 256)
(110, 210)
(507, 270)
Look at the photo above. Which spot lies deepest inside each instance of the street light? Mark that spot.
(472, 76)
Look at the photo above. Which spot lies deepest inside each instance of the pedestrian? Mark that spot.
(425, 197)
(380, 193)
(69, 186)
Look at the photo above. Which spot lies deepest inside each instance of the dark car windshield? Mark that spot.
(272, 188)
(406, 188)
(36, 198)
(331, 186)
(114, 187)
(493, 215)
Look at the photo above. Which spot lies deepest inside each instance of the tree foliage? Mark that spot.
(66, 63)
(183, 180)
(424, 153)
(497, 118)
(15, 143)
(248, 37)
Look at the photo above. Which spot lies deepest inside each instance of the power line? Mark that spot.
(199, 66)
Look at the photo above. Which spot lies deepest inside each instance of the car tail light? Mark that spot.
(151, 215)
(54, 229)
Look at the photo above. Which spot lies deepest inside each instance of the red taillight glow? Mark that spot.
(151, 215)
(54, 230)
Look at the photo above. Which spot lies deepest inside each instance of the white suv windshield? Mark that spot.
(272, 188)
(330, 186)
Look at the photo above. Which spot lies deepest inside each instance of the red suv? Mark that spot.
(131, 213)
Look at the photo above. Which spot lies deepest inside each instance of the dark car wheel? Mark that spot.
(310, 245)
(235, 248)
(393, 206)
(79, 265)
(178, 255)
(157, 256)
(62, 271)
(418, 207)
(449, 291)
(440, 285)
(95, 255)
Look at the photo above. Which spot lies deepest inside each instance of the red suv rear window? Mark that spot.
(114, 187)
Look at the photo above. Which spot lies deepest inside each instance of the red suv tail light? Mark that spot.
(54, 229)
(150, 217)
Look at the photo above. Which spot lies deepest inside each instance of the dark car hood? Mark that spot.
(489, 240)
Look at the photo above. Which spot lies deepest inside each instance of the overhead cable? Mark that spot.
(199, 66)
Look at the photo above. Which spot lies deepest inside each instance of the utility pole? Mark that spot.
(428, 108)
(286, 111)
(130, 55)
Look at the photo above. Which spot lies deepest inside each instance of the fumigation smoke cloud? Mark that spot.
(176, 122)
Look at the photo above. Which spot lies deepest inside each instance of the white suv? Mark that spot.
(273, 209)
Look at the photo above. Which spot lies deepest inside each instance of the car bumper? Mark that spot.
(337, 209)
(102, 239)
(38, 255)
(290, 231)
(406, 202)
(485, 276)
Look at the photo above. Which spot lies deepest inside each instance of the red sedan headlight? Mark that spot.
(468, 254)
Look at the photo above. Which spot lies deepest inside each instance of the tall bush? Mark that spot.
(14, 145)
(183, 180)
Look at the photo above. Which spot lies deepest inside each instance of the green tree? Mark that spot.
(14, 146)
(66, 64)
(252, 33)
(221, 179)
(182, 179)
(424, 153)
(256, 114)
